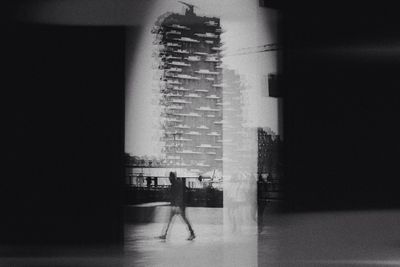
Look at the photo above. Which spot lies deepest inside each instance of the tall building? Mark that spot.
(188, 57)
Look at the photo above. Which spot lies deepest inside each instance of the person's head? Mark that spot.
(172, 177)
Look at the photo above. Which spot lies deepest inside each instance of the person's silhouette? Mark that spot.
(178, 205)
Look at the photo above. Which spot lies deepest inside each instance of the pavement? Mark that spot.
(346, 238)
(341, 238)
(214, 244)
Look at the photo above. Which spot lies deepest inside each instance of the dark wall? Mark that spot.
(342, 83)
(63, 119)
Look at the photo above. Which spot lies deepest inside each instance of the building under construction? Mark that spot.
(188, 60)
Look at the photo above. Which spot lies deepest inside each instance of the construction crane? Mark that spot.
(190, 10)
(254, 50)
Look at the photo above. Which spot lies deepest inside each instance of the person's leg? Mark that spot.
(171, 216)
(186, 220)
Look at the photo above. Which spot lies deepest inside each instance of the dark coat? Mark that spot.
(178, 193)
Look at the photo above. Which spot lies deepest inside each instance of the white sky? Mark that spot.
(244, 23)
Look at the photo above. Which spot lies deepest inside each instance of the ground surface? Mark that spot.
(210, 248)
(354, 238)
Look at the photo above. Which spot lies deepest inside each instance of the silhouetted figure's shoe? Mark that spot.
(191, 237)
(162, 237)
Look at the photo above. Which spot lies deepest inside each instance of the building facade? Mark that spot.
(188, 59)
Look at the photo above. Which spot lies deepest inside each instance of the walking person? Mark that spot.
(178, 205)
(261, 202)
(148, 182)
(140, 180)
